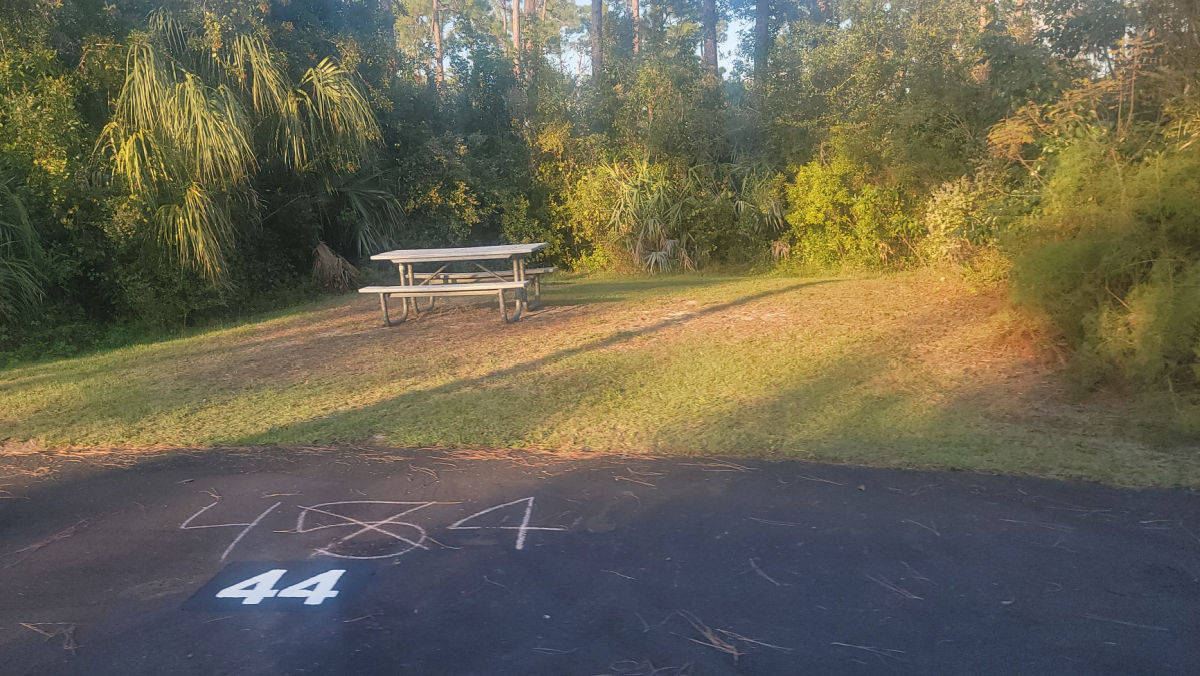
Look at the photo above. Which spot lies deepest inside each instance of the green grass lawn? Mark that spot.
(903, 370)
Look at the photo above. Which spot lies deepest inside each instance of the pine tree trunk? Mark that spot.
(504, 21)
(762, 37)
(532, 55)
(516, 36)
(708, 20)
(635, 11)
(439, 67)
(595, 38)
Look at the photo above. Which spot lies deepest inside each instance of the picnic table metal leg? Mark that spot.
(437, 275)
(383, 306)
(518, 299)
(403, 301)
(404, 281)
(519, 275)
(412, 282)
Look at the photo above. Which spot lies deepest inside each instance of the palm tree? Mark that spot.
(182, 138)
(21, 276)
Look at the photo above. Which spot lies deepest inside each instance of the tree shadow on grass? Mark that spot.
(199, 344)
(176, 392)
(618, 289)
(226, 339)
(841, 413)
(525, 405)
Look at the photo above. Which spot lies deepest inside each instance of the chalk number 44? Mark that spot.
(315, 590)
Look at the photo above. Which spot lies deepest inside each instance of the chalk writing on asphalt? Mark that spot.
(187, 524)
(381, 529)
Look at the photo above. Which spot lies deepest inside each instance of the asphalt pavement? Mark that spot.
(362, 561)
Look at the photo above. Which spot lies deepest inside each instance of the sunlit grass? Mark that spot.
(899, 371)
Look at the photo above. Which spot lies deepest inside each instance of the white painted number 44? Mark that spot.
(314, 590)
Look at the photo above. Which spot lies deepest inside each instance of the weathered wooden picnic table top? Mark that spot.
(467, 253)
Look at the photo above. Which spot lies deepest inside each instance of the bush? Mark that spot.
(652, 216)
(21, 277)
(838, 215)
(964, 223)
(1115, 262)
(955, 223)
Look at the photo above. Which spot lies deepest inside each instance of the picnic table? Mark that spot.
(484, 281)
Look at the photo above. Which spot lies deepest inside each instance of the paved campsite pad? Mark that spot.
(668, 564)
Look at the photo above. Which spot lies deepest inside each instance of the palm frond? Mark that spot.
(21, 276)
(187, 117)
(650, 211)
(200, 229)
(273, 97)
(212, 129)
(340, 110)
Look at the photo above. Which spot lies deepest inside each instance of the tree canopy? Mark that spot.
(165, 161)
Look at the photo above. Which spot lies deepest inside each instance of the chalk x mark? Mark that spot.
(365, 527)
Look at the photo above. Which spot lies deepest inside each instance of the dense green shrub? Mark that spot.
(839, 215)
(644, 215)
(967, 222)
(638, 214)
(1114, 260)
(21, 257)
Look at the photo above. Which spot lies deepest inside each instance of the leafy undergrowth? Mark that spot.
(905, 370)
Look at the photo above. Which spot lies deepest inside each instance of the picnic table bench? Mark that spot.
(485, 281)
